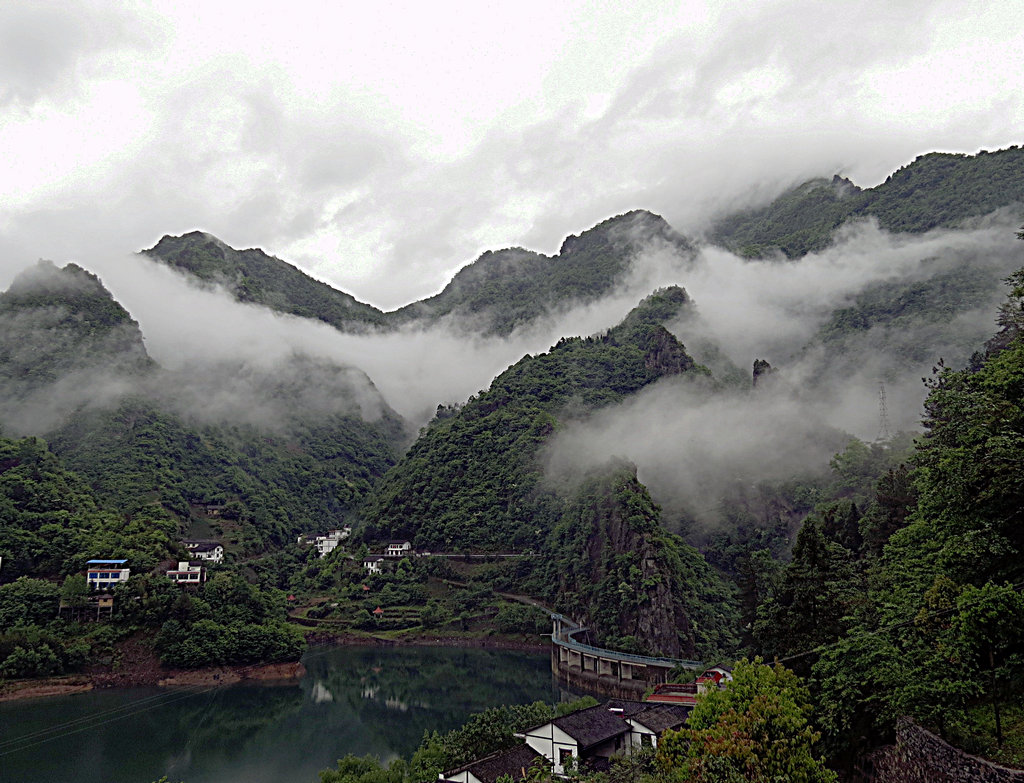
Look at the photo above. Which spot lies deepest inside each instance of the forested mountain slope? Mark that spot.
(288, 448)
(51, 523)
(472, 479)
(64, 341)
(942, 309)
(938, 189)
(904, 591)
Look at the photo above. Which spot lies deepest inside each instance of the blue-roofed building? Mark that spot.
(106, 574)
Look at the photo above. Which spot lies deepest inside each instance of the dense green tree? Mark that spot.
(818, 591)
(28, 602)
(991, 636)
(756, 730)
(473, 479)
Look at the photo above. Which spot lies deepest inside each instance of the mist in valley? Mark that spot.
(223, 361)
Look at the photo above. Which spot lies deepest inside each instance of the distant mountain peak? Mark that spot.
(635, 226)
(46, 277)
(78, 293)
(940, 189)
(505, 289)
(61, 326)
(254, 276)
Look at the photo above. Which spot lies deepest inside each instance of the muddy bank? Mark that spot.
(229, 675)
(48, 686)
(138, 665)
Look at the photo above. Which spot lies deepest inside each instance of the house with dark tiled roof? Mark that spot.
(204, 550)
(587, 739)
(647, 721)
(515, 763)
(580, 738)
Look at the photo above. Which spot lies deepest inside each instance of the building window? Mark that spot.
(646, 740)
(564, 756)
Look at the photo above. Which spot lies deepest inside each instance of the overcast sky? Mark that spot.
(381, 146)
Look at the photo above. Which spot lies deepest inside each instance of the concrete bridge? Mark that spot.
(610, 673)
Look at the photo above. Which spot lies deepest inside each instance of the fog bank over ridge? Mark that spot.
(742, 310)
(691, 441)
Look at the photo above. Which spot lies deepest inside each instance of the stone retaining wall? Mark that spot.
(922, 757)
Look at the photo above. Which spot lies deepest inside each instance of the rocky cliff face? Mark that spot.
(631, 580)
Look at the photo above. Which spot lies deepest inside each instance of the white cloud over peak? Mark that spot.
(382, 147)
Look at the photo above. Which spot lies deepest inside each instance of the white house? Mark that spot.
(398, 549)
(585, 739)
(204, 550)
(106, 574)
(372, 563)
(571, 740)
(188, 573)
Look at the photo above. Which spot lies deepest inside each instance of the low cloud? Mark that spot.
(236, 361)
(691, 442)
(272, 136)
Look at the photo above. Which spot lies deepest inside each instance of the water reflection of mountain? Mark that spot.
(376, 701)
(430, 688)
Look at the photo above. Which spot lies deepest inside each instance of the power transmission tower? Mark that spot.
(884, 434)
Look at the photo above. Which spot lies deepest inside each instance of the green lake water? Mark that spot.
(360, 700)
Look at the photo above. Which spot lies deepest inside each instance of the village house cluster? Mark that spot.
(103, 575)
(589, 739)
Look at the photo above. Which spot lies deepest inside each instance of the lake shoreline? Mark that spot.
(140, 666)
(321, 638)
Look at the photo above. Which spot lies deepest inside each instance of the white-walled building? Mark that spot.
(647, 722)
(204, 550)
(586, 739)
(398, 549)
(106, 574)
(327, 544)
(567, 741)
(188, 573)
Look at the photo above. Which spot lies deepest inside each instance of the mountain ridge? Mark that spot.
(938, 189)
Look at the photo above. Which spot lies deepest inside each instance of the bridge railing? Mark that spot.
(567, 641)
